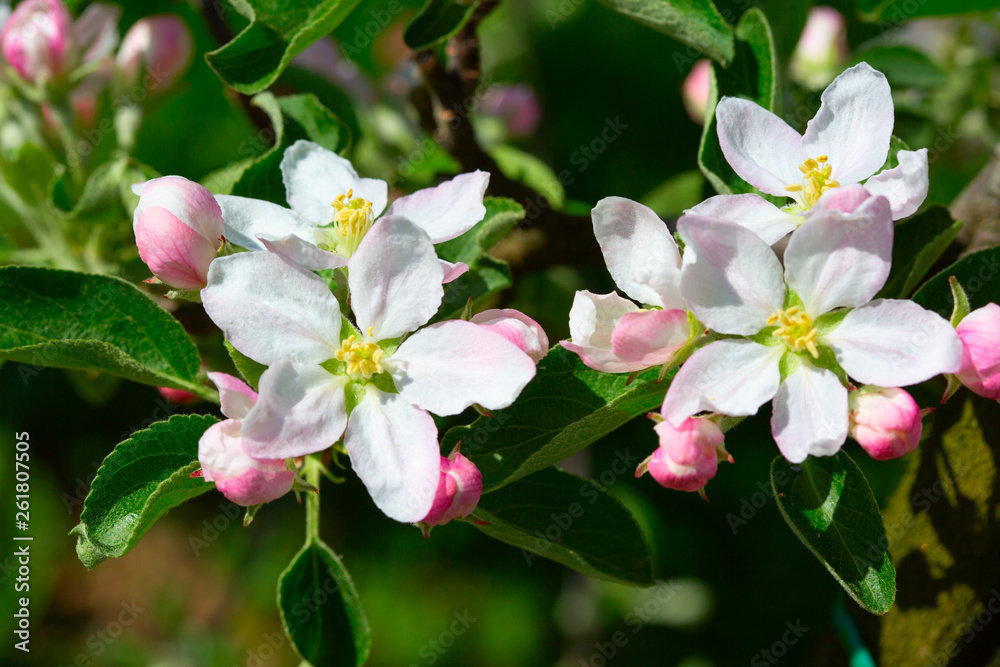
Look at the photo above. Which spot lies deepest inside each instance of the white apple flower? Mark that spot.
(846, 143)
(374, 383)
(333, 209)
(794, 334)
(611, 333)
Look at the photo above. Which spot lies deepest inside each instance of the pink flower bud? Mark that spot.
(178, 228)
(822, 48)
(37, 40)
(178, 396)
(687, 456)
(979, 332)
(695, 90)
(458, 492)
(242, 479)
(517, 105)
(154, 53)
(885, 422)
(516, 327)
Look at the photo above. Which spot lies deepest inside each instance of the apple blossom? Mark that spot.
(178, 396)
(178, 229)
(42, 43)
(821, 49)
(516, 327)
(611, 333)
(695, 90)
(243, 479)
(980, 335)
(688, 455)
(886, 422)
(517, 105)
(458, 491)
(795, 334)
(333, 209)
(846, 143)
(159, 47)
(373, 383)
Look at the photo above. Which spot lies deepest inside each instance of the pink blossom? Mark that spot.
(885, 422)
(979, 332)
(516, 327)
(458, 491)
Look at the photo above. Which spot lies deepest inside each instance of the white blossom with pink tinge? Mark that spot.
(980, 335)
(611, 333)
(333, 209)
(516, 327)
(846, 143)
(241, 478)
(327, 379)
(790, 330)
(155, 52)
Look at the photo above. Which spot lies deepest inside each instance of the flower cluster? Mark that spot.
(357, 363)
(799, 324)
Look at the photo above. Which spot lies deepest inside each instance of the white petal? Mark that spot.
(394, 450)
(894, 343)
(810, 414)
(836, 259)
(641, 255)
(97, 30)
(853, 125)
(447, 210)
(754, 212)
(592, 321)
(246, 218)
(446, 367)
(298, 251)
(732, 377)
(236, 397)
(314, 177)
(301, 410)
(732, 280)
(452, 270)
(905, 186)
(271, 310)
(759, 146)
(395, 279)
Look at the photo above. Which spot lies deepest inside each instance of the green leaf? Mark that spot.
(572, 521)
(141, 480)
(894, 13)
(751, 76)
(976, 273)
(107, 195)
(696, 23)
(487, 275)
(678, 193)
(320, 609)
(85, 322)
(919, 242)
(566, 407)
(529, 170)
(248, 368)
(279, 30)
(828, 505)
(293, 117)
(903, 66)
(437, 22)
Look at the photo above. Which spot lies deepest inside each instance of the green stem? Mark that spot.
(312, 471)
(62, 117)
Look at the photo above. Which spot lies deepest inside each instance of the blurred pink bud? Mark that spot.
(885, 422)
(516, 327)
(178, 228)
(37, 40)
(979, 332)
(154, 53)
(517, 105)
(822, 48)
(458, 492)
(242, 479)
(688, 455)
(695, 90)
(178, 396)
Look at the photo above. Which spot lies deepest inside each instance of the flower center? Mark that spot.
(795, 329)
(815, 181)
(352, 219)
(363, 359)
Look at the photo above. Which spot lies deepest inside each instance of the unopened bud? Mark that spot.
(154, 53)
(459, 489)
(885, 422)
(979, 332)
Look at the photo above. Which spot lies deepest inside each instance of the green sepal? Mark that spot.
(961, 299)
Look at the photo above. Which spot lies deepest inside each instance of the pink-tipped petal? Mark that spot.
(236, 396)
(650, 337)
(516, 327)
(242, 479)
(885, 422)
(458, 491)
(447, 210)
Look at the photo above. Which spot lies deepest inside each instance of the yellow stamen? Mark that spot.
(815, 181)
(352, 219)
(363, 359)
(795, 329)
